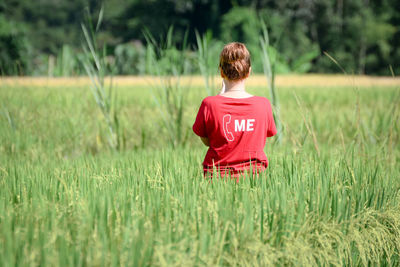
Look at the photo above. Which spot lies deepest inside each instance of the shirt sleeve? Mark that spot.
(199, 126)
(271, 128)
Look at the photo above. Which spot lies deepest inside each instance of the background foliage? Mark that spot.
(44, 37)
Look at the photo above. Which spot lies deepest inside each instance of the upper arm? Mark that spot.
(199, 126)
(271, 128)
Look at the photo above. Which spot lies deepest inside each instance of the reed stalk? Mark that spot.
(95, 65)
(206, 60)
(269, 72)
(168, 63)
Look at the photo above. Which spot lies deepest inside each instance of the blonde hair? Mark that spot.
(234, 61)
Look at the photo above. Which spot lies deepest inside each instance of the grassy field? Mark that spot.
(331, 195)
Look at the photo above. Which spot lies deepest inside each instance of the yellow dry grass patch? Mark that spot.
(315, 80)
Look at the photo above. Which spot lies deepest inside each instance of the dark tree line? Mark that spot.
(362, 35)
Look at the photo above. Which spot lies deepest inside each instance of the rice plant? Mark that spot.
(155, 208)
(307, 122)
(61, 205)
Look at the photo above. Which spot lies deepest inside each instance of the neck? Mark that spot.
(231, 86)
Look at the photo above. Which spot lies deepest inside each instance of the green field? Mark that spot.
(331, 195)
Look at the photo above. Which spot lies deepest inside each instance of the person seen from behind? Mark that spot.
(234, 124)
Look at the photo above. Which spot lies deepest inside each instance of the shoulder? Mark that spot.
(262, 100)
(210, 100)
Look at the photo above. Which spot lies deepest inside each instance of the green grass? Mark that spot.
(67, 199)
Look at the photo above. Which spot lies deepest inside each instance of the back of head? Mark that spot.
(234, 61)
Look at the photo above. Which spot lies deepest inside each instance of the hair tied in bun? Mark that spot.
(234, 61)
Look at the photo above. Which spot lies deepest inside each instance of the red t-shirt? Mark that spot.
(237, 129)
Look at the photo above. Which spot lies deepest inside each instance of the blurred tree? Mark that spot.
(363, 35)
(357, 33)
(15, 49)
(394, 56)
(241, 24)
